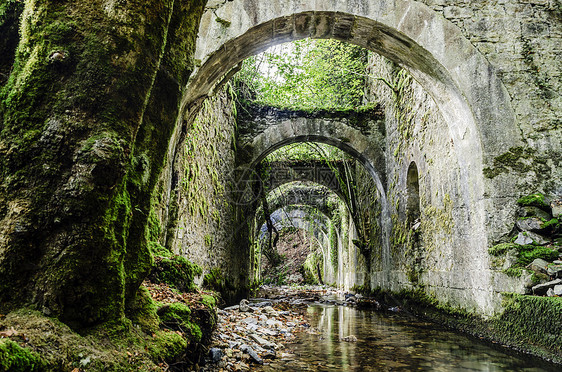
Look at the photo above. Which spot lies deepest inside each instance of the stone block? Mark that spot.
(554, 270)
(556, 206)
(523, 239)
(530, 224)
(538, 265)
(541, 289)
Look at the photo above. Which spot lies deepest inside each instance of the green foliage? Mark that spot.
(176, 271)
(306, 74)
(14, 358)
(307, 151)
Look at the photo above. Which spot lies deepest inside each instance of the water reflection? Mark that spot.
(392, 343)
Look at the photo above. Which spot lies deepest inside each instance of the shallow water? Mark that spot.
(393, 342)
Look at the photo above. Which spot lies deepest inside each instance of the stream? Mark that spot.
(391, 342)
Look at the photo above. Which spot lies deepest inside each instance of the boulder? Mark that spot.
(244, 306)
(248, 350)
(215, 354)
(537, 238)
(557, 290)
(542, 289)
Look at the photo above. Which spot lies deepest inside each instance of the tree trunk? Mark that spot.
(77, 115)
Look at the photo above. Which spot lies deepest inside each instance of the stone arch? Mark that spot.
(470, 96)
(345, 138)
(317, 196)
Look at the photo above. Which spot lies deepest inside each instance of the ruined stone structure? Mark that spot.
(462, 119)
(106, 134)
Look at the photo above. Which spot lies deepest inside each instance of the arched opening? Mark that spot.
(413, 195)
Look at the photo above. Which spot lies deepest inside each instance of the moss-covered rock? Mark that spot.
(167, 346)
(14, 358)
(177, 316)
(142, 311)
(175, 271)
(535, 200)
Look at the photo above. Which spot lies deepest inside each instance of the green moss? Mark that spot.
(503, 248)
(14, 358)
(537, 278)
(177, 316)
(535, 200)
(209, 301)
(525, 255)
(176, 271)
(517, 159)
(551, 224)
(167, 346)
(531, 322)
(142, 311)
(514, 272)
(313, 268)
(216, 281)
(528, 253)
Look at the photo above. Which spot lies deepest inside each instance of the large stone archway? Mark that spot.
(470, 97)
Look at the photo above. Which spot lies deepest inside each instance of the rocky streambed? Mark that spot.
(258, 332)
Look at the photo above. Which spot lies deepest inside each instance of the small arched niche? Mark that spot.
(413, 212)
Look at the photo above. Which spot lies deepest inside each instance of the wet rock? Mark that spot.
(244, 306)
(262, 342)
(248, 350)
(538, 265)
(350, 338)
(541, 289)
(215, 354)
